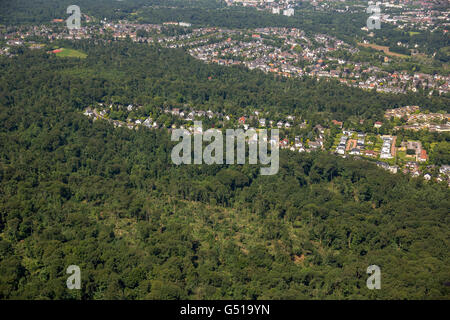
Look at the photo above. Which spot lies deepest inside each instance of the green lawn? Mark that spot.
(375, 147)
(71, 53)
(402, 157)
(336, 141)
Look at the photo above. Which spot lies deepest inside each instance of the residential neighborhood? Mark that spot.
(407, 156)
(288, 52)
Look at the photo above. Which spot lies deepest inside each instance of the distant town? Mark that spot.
(287, 52)
(421, 14)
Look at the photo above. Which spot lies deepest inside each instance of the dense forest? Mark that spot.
(149, 75)
(77, 191)
(43, 11)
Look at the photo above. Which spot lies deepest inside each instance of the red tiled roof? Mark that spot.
(423, 154)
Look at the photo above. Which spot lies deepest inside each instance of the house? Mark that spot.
(242, 120)
(386, 166)
(190, 116)
(386, 148)
(343, 141)
(262, 122)
(423, 156)
(370, 153)
(320, 128)
(89, 112)
(284, 143)
(298, 143)
(280, 124)
(355, 151)
(412, 166)
(340, 150)
(378, 124)
(337, 123)
(445, 169)
(17, 42)
(415, 173)
(383, 165)
(288, 12)
(314, 144)
(148, 122)
(393, 169)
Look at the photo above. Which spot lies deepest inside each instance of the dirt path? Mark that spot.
(393, 148)
(351, 144)
(382, 48)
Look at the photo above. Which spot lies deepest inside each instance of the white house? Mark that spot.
(288, 12)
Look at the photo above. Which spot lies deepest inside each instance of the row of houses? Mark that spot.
(386, 148)
(351, 143)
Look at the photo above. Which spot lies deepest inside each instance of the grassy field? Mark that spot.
(403, 157)
(70, 53)
(336, 141)
(378, 144)
(382, 48)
